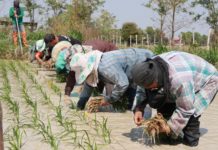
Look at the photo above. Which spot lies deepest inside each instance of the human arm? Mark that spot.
(11, 13)
(70, 83)
(139, 105)
(121, 82)
(38, 57)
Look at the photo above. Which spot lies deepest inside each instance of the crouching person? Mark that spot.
(111, 67)
(37, 52)
(180, 86)
(62, 53)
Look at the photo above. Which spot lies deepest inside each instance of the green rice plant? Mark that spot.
(59, 116)
(47, 134)
(89, 145)
(16, 139)
(106, 132)
(26, 96)
(13, 69)
(54, 87)
(35, 116)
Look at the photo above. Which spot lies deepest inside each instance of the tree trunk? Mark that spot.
(161, 29)
(173, 24)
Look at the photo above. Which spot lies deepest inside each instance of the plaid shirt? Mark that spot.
(115, 68)
(189, 75)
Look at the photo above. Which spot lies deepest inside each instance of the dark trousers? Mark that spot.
(191, 130)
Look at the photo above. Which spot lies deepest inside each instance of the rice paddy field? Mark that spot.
(35, 117)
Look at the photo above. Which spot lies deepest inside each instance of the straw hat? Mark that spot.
(59, 47)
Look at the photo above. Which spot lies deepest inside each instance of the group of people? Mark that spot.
(178, 84)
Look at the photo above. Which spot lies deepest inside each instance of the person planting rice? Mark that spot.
(37, 51)
(111, 67)
(51, 40)
(180, 86)
(64, 51)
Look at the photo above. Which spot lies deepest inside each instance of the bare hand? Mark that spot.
(138, 118)
(15, 15)
(104, 103)
(67, 100)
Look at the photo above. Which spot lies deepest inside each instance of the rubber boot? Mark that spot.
(15, 38)
(23, 34)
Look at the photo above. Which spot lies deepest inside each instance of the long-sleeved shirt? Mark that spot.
(115, 68)
(20, 16)
(188, 75)
(100, 45)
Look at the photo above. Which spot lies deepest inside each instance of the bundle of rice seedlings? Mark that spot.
(153, 126)
(94, 103)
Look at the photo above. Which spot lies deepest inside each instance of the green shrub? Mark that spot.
(159, 49)
(37, 35)
(210, 55)
(75, 34)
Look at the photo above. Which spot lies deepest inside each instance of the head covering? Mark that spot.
(65, 56)
(59, 47)
(145, 73)
(40, 45)
(16, 4)
(85, 65)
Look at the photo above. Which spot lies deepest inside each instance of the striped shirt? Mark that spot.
(115, 68)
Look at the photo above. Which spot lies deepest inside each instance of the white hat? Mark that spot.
(40, 45)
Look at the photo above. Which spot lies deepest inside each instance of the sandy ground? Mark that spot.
(124, 133)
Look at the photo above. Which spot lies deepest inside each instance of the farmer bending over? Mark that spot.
(111, 67)
(180, 86)
(64, 51)
(37, 51)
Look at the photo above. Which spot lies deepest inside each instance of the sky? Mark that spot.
(126, 11)
(134, 11)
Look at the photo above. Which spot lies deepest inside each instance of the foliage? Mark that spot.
(210, 55)
(161, 8)
(128, 29)
(57, 6)
(37, 35)
(105, 23)
(211, 7)
(187, 38)
(75, 34)
(159, 49)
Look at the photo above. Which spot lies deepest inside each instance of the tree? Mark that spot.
(57, 6)
(211, 7)
(161, 8)
(175, 6)
(83, 9)
(128, 29)
(105, 22)
(31, 6)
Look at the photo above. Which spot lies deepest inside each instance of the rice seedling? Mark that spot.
(54, 87)
(153, 126)
(106, 132)
(46, 132)
(16, 139)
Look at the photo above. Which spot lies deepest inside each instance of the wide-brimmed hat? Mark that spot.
(40, 45)
(59, 47)
(84, 64)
